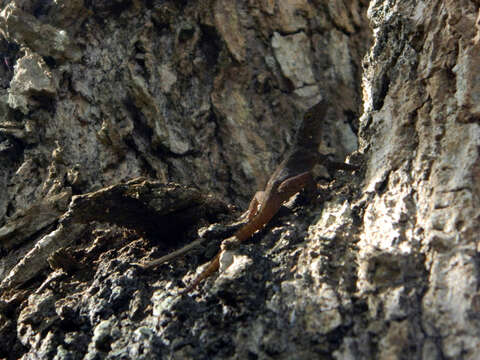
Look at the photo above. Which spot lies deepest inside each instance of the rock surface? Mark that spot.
(107, 106)
(419, 244)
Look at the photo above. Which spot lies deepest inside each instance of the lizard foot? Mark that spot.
(230, 243)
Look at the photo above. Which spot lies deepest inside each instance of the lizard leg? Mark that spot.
(310, 187)
(312, 193)
(341, 166)
(209, 270)
(253, 207)
(295, 183)
(304, 181)
(230, 243)
(335, 165)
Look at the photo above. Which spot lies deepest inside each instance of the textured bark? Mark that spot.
(208, 94)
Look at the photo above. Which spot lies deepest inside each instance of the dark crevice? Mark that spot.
(9, 53)
(149, 170)
(379, 97)
(50, 61)
(185, 34)
(139, 57)
(138, 119)
(44, 100)
(352, 120)
(42, 8)
(149, 3)
(145, 132)
(230, 193)
(164, 152)
(140, 131)
(107, 8)
(210, 44)
(11, 149)
(288, 33)
(382, 186)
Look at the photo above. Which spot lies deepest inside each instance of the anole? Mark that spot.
(292, 175)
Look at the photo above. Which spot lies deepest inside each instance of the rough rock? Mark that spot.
(285, 17)
(32, 83)
(228, 24)
(24, 224)
(293, 54)
(382, 264)
(153, 209)
(24, 29)
(421, 217)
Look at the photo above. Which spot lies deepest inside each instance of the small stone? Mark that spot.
(294, 56)
(32, 77)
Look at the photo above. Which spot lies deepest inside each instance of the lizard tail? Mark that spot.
(257, 222)
(266, 212)
(211, 268)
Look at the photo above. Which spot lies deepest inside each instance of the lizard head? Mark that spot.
(316, 113)
(308, 134)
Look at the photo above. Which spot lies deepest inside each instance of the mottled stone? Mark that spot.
(293, 54)
(421, 213)
(167, 77)
(342, 15)
(23, 28)
(232, 266)
(26, 223)
(467, 82)
(315, 313)
(32, 78)
(333, 221)
(228, 23)
(293, 15)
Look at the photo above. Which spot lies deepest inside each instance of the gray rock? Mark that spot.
(293, 54)
(31, 80)
(24, 29)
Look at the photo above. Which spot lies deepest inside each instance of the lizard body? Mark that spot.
(283, 184)
(291, 176)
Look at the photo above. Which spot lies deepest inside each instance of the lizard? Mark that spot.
(291, 176)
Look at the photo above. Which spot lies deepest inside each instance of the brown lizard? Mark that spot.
(292, 175)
